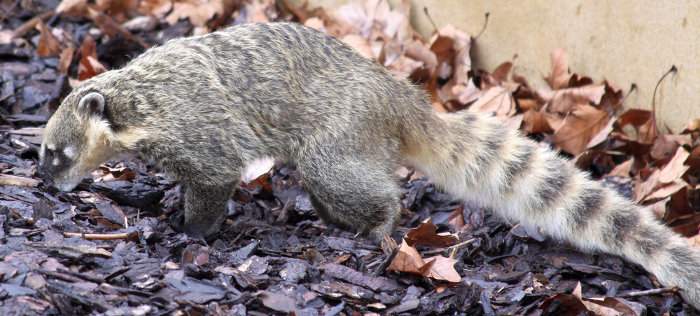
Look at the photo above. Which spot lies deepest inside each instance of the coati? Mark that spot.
(203, 107)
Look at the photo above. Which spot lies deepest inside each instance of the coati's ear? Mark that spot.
(92, 103)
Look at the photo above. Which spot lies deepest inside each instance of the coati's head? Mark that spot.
(77, 139)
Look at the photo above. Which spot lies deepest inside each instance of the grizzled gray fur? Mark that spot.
(204, 107)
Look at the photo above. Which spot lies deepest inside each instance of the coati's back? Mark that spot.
(298, 81)
(205, 106)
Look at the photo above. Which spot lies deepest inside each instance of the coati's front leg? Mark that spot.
(204, 208)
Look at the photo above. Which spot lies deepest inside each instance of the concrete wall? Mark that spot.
(626, 41)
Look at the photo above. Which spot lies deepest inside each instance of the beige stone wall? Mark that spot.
(626, 41)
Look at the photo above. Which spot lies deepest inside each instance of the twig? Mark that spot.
(86, 277)
(454, 247)
(653, 129)
(29, 25)
(633, 88)
(486, 23)
(8, 179)
(115, 236)
(430, 18)
(385, 263)
(60, 276)
(650, 292)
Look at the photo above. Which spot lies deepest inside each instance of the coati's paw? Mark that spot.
(380, 234)
(201, 229)
(177, 221)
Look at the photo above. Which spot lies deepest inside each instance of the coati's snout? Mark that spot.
(76, 140)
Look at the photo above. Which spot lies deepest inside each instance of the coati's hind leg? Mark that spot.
(354, 192)
(204, 208)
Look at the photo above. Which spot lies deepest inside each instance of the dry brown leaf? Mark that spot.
(666, 145)
(89, 66)
(502, 71)
(554, 120)
(442, 268)
(404, 67)
(565, 100)
(496, 100)
(66, 59)
(641, 121)
(119, 10)
(513, 122)
(644, 188)
(602, 135)
(157, 8)
(536, 122)
(360, 44)
(199, 12)
(256, 169)
(676, 168)
(665, 181)
(314, 23)
(112, 28)
(665, 191)
(407, 259)
(419, 51)
(465, 93)
(426, 235)
(579, 127)
(439, 107)
(456, 219)
(452, 49)
(559, 78)
(527, 104)
(623, 169)
(72, 7)
(48, 44)
(106, 173)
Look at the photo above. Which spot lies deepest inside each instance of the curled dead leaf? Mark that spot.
(536, 122)
(579, 128)
(426, 235)
(676, 168)
(89, 65)
(48, 44)
(439, 268)
(65, 59)
(407, 259)
(442, 268)
(559, 77)
(496, 100)
(72, 7)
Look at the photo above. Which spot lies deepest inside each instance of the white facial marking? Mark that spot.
(56, 162)
(69, 152)
(51, 146)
